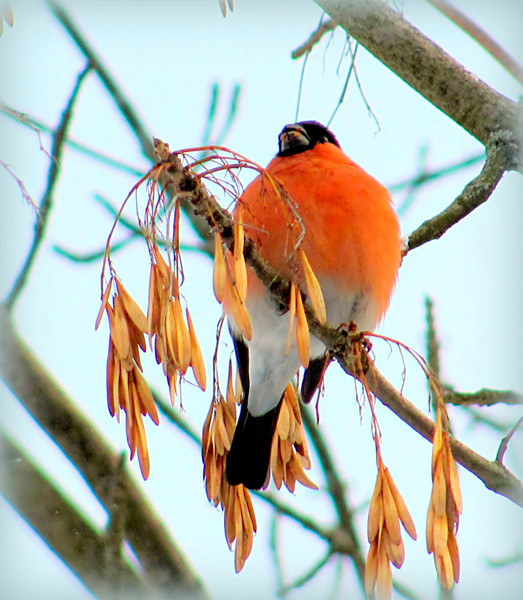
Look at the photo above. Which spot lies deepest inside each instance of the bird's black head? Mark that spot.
(303, 136)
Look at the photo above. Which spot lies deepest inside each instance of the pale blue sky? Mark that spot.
(166, 55)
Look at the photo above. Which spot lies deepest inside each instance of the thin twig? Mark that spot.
(23, 190)
(127, 110)
(28, 122)
(337, 490)
(432, 339)
(481, 36)
(404, 591)
(477, 415)
(429, 176)
(483, 397)
(505, 441)
(504, 562)
(96, 255)
(277, 560)
(423, 65)
(314, 38)
(39, 126)
(46, 203)
(304, 578)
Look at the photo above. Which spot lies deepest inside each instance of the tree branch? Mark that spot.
(483, 397)
(505, 442)
(481, 37)
(314, 38)
(64, 529)
(336, 490)
(59, 137)
(422, 64)
(125, 107)
(475, 194)
(162, 561)
(494, 476)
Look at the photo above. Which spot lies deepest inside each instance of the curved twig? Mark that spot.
(476, 192)
(46, 203)
(482, 37)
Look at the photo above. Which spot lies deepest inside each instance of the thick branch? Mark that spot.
(165, 566)
(494, 476)
(422, 64)
(64, 529)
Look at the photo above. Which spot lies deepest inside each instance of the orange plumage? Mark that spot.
(314, 197)
(351, 232)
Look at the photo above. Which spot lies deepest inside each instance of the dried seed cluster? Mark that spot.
(387, 510)
(445, 506)
(218, 431)
(174, 341)
(230, 281)
(297, 311)
(126, 387)
(289, 452)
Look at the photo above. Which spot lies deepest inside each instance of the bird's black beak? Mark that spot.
(292, 140)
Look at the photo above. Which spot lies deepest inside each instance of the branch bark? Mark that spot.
(476, 193)
(165, 566)
(494, 476)
(64, 529)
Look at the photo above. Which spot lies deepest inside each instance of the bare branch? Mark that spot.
(494, 476)
(165, 566)
(47, 200)
(475, 194)
(23, 190)
(432, 339)
(504, 562)
(309, 574)
(127, 109)
(39, 126)
(67, 532)
(483, 397)
(505, 441)
(28, 122)
(314, 38)
(97, 65)
(337, 491)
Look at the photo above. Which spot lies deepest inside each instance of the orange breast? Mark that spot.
(350, 230)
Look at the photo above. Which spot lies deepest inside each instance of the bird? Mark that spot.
(345, 223)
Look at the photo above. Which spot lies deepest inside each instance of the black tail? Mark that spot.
(313, 377)
(249, 458)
